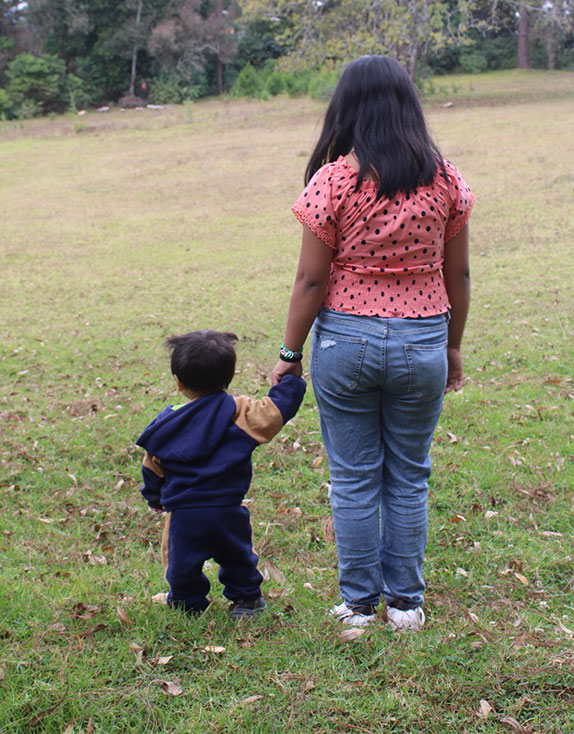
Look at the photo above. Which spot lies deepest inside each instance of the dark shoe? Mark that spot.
(247, 607)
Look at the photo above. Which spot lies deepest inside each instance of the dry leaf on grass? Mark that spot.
(94, 559)
(56, 627)
(457, 518)
(2, 673)
(170, 687)
(250, 699)
(484, 709)
(217, 649)
(353, 633)
(522, 579)
(275, 573)
(160, 598)
(317, 462)
(164, 660)
(123, 617)
(514, 724)
(327, 528)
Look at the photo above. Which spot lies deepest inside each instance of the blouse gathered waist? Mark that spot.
(387, 253)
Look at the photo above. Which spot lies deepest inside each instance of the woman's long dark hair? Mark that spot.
(375, 111)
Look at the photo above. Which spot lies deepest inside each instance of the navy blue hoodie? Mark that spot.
(199, 454)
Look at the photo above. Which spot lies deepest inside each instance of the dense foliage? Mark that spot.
(57, 54)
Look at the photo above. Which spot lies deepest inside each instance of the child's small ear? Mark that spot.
(179, 383)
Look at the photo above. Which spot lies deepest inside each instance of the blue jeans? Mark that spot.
(379, 385)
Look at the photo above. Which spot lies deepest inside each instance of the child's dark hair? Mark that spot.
(203, 361)
(375, 111)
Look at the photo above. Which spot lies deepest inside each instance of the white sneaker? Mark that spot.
(354, 616)
(405, 619)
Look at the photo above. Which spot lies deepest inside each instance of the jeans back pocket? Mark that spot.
(427, 369)
(336, 360)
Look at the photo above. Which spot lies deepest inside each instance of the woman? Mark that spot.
(384, 276)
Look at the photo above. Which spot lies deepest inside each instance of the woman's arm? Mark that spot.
(310, 283)
(456, 272)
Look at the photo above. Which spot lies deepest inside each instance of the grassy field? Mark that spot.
(120, 229)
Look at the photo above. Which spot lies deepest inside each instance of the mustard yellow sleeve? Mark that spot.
(260, 419)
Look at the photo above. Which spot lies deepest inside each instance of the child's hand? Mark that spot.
(285, 368)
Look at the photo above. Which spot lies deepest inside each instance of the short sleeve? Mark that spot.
(462, 201)
(315, 206)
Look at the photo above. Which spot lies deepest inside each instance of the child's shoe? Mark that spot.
(405, 619)
(357, 615)
(247, 607)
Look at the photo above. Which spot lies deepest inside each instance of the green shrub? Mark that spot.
(473, 62)
(37, 82)
(248, 83)
(77, 97)
(322, 84)
(296, 84)
(5, 105)
(165, 90)
(275, 83)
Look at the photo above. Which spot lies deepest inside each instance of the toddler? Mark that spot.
(197, 468)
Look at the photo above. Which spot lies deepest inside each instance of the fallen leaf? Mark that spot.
(452, 437)
(171, 688)
(57, 627)
(522, 579)
(457, 518)
(276, 593)
(94, 559)
(473, 618)
(484, 709)
(250, 699)
(275, 573)
(160, 598)
(123, 617)
(490, 514)
(328, 530)
(164, 660)
(217, 649)
(2, 673)
(514, 725)
(134, 647)
(565, 629)
(352, 633)
(317, 463)
(461, 572)
(84, 611)
(550, 534)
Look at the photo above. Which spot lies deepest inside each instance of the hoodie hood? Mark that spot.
(191, 432)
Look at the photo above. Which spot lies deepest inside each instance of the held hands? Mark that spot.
(285, 368)
(455, 379)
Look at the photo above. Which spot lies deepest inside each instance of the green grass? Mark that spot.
(138, 225)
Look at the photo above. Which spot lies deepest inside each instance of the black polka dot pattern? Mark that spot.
(388, 254)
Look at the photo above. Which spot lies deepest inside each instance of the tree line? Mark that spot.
(58, 54)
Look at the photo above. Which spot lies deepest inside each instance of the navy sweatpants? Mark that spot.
(200, 533)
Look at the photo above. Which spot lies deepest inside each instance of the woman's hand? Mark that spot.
(285, 368)
(455, 379)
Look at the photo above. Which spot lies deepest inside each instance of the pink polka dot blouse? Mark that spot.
(387, 254)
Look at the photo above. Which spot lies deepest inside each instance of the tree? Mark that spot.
(192, 33)
(339, 30)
